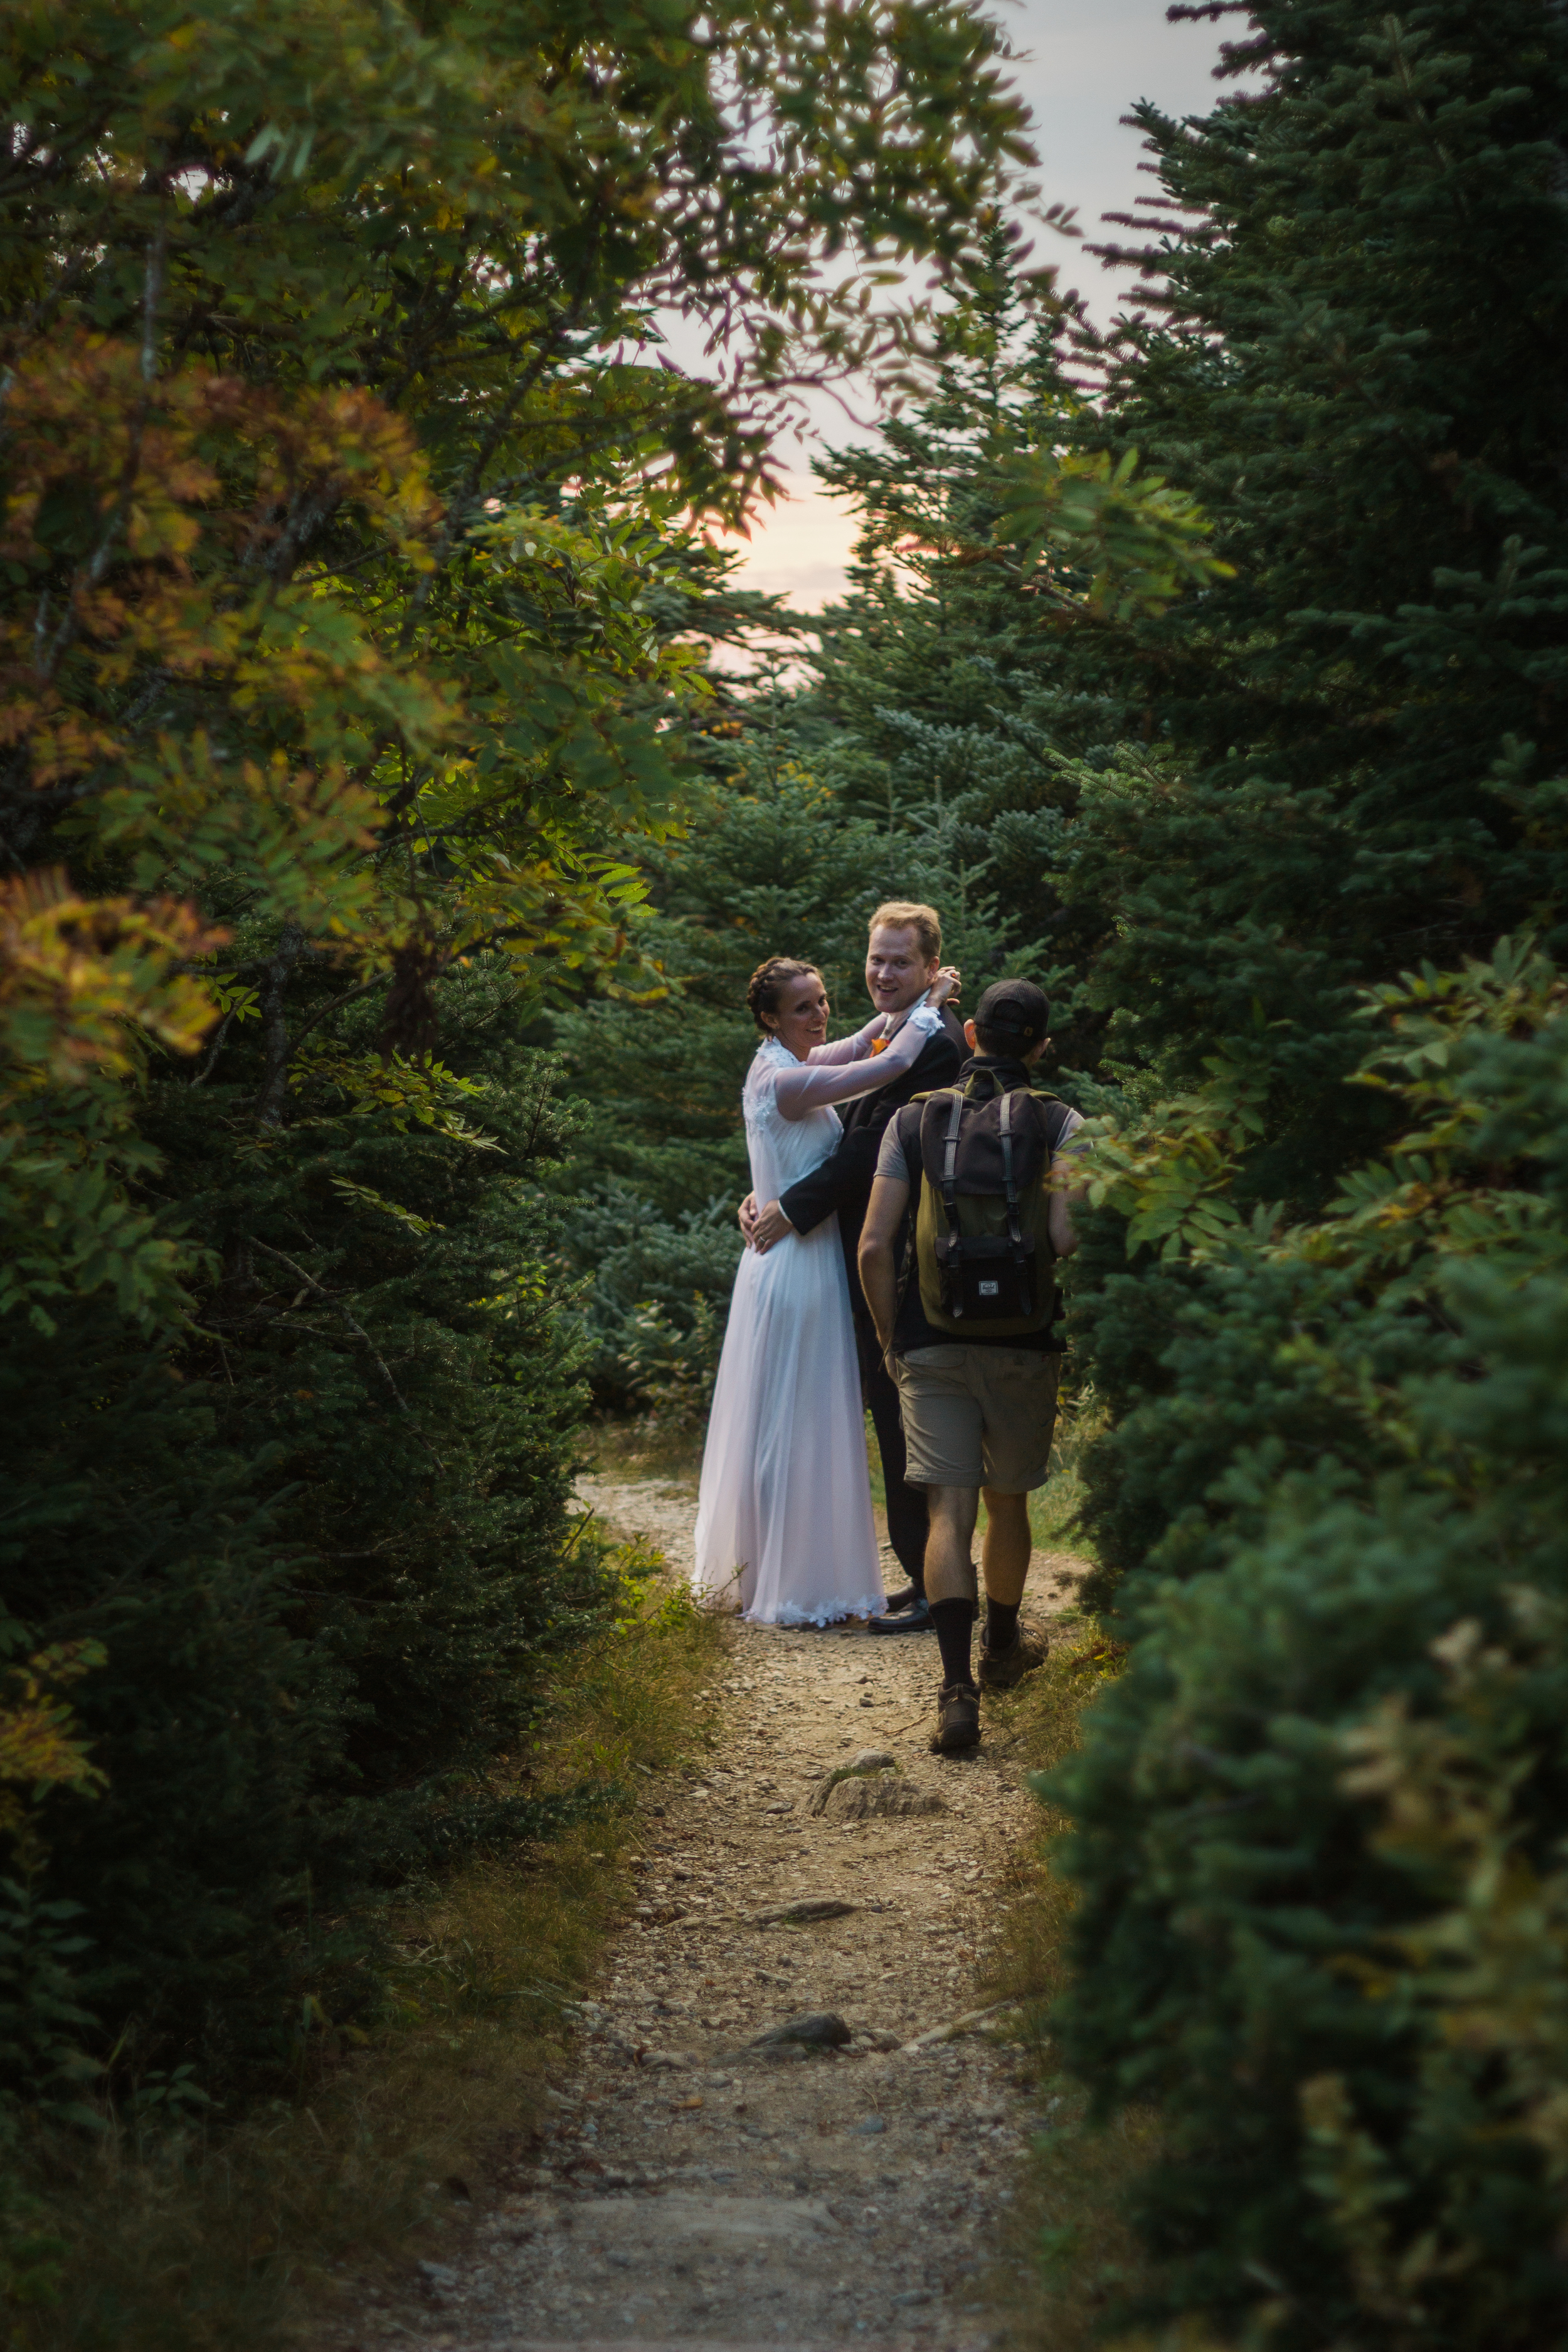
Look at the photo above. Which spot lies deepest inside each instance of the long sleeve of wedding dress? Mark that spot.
(851, 1049)
(811, 1084)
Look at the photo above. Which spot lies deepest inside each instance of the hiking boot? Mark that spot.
(913, 1620)
(1005, 1669)
(957, 1720)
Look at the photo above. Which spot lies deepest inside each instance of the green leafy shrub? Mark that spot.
(1319, 1820)
(673, 1371)
(323, 1546)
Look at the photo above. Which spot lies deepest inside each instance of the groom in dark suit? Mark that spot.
(902, 958)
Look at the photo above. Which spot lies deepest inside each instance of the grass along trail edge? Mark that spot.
(171, 2232)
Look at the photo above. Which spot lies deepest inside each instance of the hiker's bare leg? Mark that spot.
(950, 1569)
(1005, 1559)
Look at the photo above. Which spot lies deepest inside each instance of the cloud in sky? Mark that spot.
(1088, 62)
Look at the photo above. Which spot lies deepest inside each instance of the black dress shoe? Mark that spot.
(904, 1600)
(910, 1620)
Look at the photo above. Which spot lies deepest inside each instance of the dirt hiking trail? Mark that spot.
(696, 2188)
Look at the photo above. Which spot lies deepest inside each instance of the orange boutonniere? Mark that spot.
(879, 1044)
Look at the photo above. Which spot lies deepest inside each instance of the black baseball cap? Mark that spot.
(1014, 1009)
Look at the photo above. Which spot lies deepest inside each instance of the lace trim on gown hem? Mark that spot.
(830, 1612)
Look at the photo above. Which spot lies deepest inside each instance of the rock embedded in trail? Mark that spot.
(818, 2028)
(801, 1914)
(868, 1788)
(870, 1760)
(878, 1800)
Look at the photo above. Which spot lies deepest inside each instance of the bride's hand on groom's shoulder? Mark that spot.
(945, 986)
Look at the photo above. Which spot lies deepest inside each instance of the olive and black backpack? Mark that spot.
(983, 1248)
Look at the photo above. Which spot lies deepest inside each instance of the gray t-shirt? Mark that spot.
(894, 1161)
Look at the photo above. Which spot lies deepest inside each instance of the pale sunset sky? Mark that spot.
(1087, 62)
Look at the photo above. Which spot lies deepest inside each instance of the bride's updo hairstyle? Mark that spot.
(767, 985)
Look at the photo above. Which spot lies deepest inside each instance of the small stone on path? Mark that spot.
(817, 2030)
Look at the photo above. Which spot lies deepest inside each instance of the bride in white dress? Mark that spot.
(785, 1532)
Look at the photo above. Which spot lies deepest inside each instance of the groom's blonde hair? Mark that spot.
(904, 914)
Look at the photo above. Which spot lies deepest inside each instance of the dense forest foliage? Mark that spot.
(1321, 1818)
(354, 608)
(1289, 850)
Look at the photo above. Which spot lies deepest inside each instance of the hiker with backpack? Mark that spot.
(978, 1176)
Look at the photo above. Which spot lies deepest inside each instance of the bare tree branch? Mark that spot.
(280, 972)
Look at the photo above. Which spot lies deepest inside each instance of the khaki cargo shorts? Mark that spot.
(978, 1416)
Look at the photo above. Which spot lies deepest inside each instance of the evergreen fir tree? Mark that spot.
(1352, 743)
(1303, 1301)
(944, 684)
(1356, 316)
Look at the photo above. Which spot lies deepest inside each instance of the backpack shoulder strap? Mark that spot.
(928, 1120)
(1015, 1231)
(950, 1163)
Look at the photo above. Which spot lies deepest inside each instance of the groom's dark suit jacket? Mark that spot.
(844, 1180)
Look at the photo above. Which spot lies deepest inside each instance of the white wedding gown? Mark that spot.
(784, 1531)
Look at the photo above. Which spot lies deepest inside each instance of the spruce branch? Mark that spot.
(341, 1309)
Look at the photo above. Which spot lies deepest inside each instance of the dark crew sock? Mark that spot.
(1000, 1625)
(954, 1623)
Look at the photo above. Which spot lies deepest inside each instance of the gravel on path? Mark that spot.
(832, 2187)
